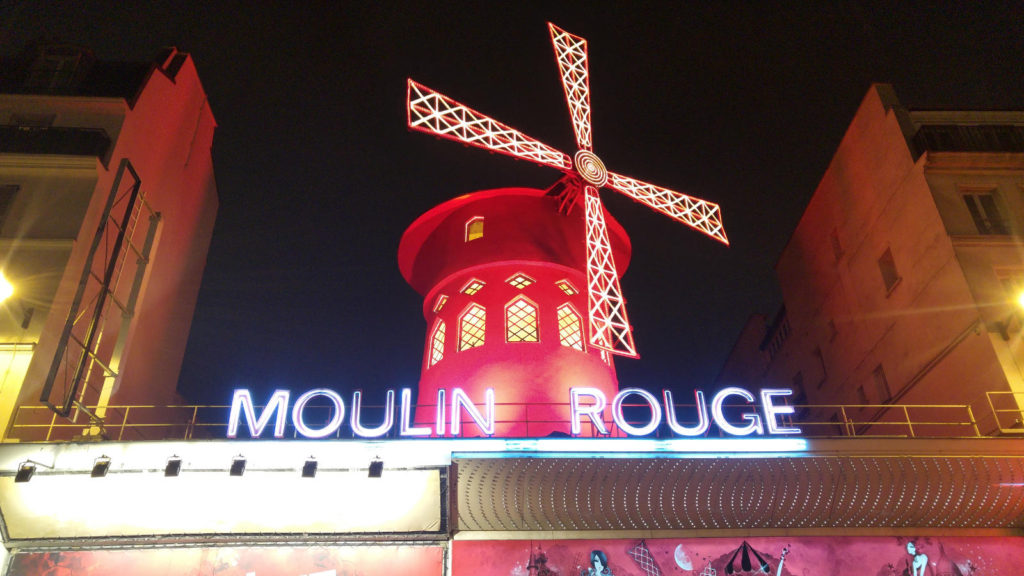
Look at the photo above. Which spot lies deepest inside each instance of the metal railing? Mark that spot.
(54, 140)
(1008, 411)
(188, 422)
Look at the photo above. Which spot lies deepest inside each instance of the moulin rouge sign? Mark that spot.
(586, 405)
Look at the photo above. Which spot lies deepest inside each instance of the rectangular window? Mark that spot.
(985, 213)
(887, 265)
(881, 384)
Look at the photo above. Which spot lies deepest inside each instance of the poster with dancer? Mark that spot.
(775, 556)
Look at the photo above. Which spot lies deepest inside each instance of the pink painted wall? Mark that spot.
(523, 232)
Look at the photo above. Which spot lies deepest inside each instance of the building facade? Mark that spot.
(107, 204)
(901, 281)
(512, 503)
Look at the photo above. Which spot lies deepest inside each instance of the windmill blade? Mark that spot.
(571, 54)
(609, 325)
(694, 212)
(434, 113)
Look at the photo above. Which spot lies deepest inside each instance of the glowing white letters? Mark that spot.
(385, 426)
(624, 425)
(405, 426)
(702, 416)
(242, 402)
(461, 401)
(771, 410)
(735, 418)
(337, 413)
(277, 407)
(594, 411)
(716, 412)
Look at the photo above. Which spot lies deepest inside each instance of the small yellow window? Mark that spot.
(520, 280)
(475, 228)
(566, 287)
(472, 287)
(440, 302)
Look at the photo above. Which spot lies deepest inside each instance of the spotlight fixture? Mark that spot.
(309, 468)
(25, 472)
(376, 468)
(100, 467)
(238, 465)
(173, 467)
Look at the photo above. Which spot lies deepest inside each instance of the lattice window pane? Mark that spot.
(566, 287)
(570, 327)
(440, 302)
(521, 322)
(520, 281)
(437, 343)
(472, 287)
(471, 328)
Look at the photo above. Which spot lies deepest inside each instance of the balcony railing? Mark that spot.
(189, 422)
(1008, 410)
(980, 138)
(54, 140)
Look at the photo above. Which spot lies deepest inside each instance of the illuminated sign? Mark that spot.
(585, 405)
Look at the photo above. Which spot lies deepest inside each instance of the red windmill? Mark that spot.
(434, 113)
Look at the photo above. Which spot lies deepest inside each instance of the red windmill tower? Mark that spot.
(475, 259)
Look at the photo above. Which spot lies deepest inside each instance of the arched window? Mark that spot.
(570, 327)
(437, 344)
(520, 321)
(471, 327)
(474, 228)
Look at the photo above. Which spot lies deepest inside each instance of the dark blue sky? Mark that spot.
(735, 102)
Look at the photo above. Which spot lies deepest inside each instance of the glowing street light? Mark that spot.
(6, 288)
(1020, 299)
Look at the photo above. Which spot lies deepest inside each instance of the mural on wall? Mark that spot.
(234, 561)
(786, 556)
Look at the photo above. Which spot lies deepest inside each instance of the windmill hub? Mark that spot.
(590, 168)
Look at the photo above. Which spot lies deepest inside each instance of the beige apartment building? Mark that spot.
(107, 204)
(901, 280)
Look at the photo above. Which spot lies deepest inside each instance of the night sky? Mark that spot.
(737, 103)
